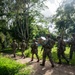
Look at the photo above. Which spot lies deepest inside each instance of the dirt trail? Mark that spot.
(47, 70)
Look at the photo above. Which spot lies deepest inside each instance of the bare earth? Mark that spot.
(47, 69)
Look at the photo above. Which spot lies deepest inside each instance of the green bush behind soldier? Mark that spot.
(72, 45)
(34, 50)
(47, 46)
(61, 49)
(23, 47)
(14, 47)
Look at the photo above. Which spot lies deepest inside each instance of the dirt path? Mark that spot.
(47, 70)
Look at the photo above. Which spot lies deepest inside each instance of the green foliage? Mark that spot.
(5, 40)
(2, 37)
(2, 40)
(65, 17)
(18, 18)
(10, 67)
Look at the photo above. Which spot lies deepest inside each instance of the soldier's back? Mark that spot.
(33, 46)
(23, 45)
(14, 45)
(49, 43)
(61, 45)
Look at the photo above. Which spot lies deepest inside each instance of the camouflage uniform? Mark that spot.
(34, 50)
(47, 46)
(72, 46)
(61, 49)
(23, 47)
(14, 45)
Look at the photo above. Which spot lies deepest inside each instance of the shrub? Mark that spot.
(11, 67)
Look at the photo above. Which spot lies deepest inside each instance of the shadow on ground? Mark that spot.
(57, 70)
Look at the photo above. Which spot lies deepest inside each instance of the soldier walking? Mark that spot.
(47, 46)
(61, 49)
(72, 46)
(34, 50)
(14, 46)
(23, 47)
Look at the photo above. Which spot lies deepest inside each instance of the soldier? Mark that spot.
(23, 47)
(14, 45)
(47, 46)
(61, 49)
(34, 50)
(72, 45)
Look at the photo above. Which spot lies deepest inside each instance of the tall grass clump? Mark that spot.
(11, 67)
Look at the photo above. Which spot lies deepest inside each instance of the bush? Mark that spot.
(11, 67)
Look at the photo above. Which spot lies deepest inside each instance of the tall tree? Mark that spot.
(64, 19)
(26, 14)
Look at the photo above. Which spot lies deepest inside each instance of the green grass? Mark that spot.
(11, 67)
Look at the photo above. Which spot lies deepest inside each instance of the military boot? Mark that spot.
(52, 66)
(38, 60)
(43, 64)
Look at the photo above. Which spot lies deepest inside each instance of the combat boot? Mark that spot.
(68, 62)
(42, 64)
(14, 55)
(52, 66)
(24, 57)
(38, 60)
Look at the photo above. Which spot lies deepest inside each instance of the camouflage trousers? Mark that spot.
(14, 52)
(71, 53)
(61, 55)
(45, 54)
(36, 53)
(23, 55)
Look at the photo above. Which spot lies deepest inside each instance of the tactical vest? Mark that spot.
(34, 46)
(48, 44)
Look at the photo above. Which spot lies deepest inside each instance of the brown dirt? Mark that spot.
(47, 69)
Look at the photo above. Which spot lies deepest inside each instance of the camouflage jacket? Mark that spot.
(14, 45)
(23, 46)
(61, 45)
(49, 43)
(34, 46)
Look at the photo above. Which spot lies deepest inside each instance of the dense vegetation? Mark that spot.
(11, 67)
(22, 19)
(19, 19)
